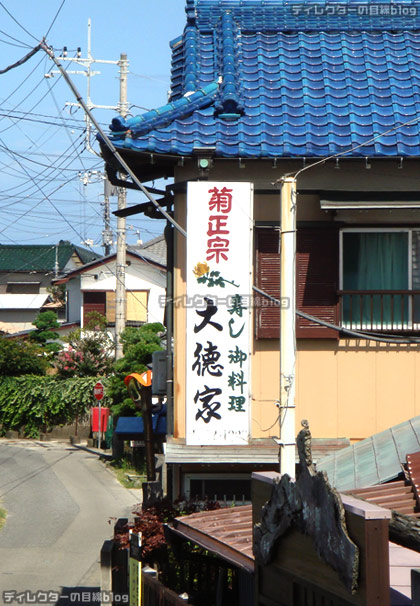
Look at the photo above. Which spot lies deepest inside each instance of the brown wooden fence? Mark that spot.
(156, 594)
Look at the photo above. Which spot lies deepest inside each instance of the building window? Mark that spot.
(232, 488)
(316, 281)
(104, 303)
(23, 288)
(380, 279)
(136, 307)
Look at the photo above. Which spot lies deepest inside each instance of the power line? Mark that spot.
(55, 18)
(21, 61)
(17, 22)
(23, 44)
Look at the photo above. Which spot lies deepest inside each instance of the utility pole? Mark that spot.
(56, 266)
(87, 63)
(120, 292)
(288, 327)
(107, 232)
(122, 108)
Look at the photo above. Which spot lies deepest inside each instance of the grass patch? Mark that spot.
(127, 474)
(3, 515)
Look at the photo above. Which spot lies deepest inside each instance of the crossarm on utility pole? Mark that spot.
(108, 142)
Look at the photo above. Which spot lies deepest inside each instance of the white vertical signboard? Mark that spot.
(219, 295)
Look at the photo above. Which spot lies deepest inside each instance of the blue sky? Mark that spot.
(42, 158)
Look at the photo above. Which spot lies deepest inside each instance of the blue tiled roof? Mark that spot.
(282, 78)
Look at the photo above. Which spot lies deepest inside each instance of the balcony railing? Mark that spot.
(380, 310)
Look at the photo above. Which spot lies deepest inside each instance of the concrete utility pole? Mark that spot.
(107, 232)
(120, 292)
(86, 63)
(122, 108)
(288, 327)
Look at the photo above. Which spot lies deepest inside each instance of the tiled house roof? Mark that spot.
(154, 249)
(277, 78)
(40, 257)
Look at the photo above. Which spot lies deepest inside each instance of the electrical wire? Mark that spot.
(21, 61)
(354, 148)
(23, 44)
(55, 18)
(17, 22)
(351, 333)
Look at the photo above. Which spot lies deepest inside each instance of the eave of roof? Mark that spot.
(22, 302)
(103, 261)
(227, 532)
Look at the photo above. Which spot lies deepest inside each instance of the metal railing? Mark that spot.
(380, 310)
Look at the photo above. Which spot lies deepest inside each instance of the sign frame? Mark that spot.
(219, 269)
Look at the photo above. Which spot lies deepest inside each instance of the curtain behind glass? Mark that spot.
(375, 261)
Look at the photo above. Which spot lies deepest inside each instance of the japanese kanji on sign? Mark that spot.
(219, 273)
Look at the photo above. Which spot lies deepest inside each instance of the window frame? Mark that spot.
(411, 325)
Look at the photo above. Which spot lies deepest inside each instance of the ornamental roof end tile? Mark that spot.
(282, 78)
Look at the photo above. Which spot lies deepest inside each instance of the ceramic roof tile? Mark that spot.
(41, 257)
(289, 80)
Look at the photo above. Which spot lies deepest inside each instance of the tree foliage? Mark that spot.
(138, 347)
(46, 334)
(19, 357)
(90, 351)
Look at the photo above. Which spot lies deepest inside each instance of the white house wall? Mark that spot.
(139, 276)
(74, 300)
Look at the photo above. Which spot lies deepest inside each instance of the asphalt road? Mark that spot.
(59, 501)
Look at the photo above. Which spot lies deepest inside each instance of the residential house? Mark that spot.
(91, 287)
(26, 275)
(329, 94)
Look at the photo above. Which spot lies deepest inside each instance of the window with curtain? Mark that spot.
(379, 269)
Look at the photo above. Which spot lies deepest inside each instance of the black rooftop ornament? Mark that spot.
(311, 506)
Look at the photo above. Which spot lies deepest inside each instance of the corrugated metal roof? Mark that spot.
(227, 532)
(22, 302)
(375, 460)
(397, 496)
(40, 257)
(281, 78)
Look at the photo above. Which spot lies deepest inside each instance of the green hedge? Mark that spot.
(36, 403)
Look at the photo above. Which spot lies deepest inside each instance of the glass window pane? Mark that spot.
(375, 262)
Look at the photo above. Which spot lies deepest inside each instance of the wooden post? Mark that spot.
(146, 397)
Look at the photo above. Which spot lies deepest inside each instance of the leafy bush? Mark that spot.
(138, 347)
(45, 334)
(20, 358)
(151, 520)
(39, 403)
(90, 351)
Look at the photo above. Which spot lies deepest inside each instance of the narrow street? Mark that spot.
(59, 501)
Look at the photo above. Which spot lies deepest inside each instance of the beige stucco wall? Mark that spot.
(344, 388)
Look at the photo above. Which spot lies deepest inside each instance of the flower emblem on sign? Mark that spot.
(211, 278)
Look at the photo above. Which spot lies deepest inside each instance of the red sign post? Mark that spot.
(99, 392)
